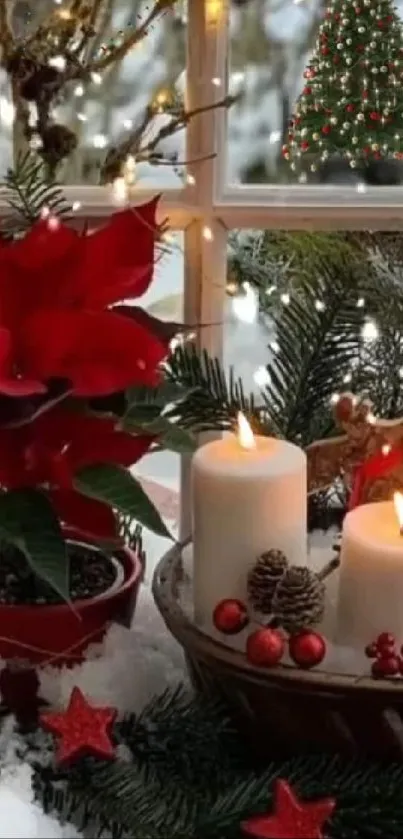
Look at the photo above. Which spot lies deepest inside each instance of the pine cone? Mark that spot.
(263, 579)
(299, 599)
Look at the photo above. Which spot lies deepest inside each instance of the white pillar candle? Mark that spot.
(249, 494)
(371, 575)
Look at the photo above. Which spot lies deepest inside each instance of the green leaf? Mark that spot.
(172, 437)
(117, 487)
(140, 415)
(28, 521)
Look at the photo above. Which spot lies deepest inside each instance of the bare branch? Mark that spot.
(119, 52)
(116, 158)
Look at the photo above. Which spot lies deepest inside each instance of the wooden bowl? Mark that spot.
(283, 708)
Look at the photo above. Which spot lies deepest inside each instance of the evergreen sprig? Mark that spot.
(27, 191)
(318, 341)
(215, 397)
(186, 775)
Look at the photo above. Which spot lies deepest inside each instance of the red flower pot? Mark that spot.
(59, 634)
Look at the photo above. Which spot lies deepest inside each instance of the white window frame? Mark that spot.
(209, 207)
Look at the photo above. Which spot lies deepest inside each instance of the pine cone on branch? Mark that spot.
(263, 579)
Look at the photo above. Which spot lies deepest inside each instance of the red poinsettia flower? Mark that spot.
(57, 290)
(49, 452)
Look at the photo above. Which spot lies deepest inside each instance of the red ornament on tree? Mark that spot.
(83, 729)
(304, 145)
(265, 647)
(307, 90)
(307, 649)
(350, 108)
(291, 819)
(230, 616)
(326, 129)
(374, 116)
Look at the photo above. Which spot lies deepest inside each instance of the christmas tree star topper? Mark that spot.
(291, 819)
(83, 729)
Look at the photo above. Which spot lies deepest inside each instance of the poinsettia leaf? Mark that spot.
(170, 436)
(116, 486)
(28, 521)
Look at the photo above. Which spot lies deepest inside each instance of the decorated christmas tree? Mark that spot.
(351, 104)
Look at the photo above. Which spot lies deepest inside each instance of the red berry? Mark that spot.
(389, 666)
(230, 616)
(376, 669)
(307, 649)
(265, 647)
(386, 651)
(385, 639)
(371, 650)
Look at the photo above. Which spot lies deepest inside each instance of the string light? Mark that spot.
(208, 234)
(96, 78)
(319, 306)
(191, 180)
(58, 62)
(100, 141)
(370, 331)
(245, 305)
(76, 206)
(120, 190)
(261, 376)
(130, 170)
(79, 90)
(285, 299)
(127, 124)
(214, 11)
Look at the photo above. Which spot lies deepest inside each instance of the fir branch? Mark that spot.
(28, 192)
(146, 799)
(318, 340)
(215, 398)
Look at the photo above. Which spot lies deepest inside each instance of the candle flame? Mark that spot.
(398, 500)
(245, 434)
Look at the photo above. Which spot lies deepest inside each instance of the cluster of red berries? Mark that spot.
(388, 659)
(266, 646)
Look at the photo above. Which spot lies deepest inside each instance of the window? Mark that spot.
(106, 107)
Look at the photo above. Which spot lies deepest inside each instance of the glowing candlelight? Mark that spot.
(398, 501)
(246, 437)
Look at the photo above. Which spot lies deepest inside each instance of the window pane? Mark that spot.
(104, 107)
(323, 78)
(326, 310)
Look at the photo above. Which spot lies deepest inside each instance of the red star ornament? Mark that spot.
(291, 819)
(83, 730)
